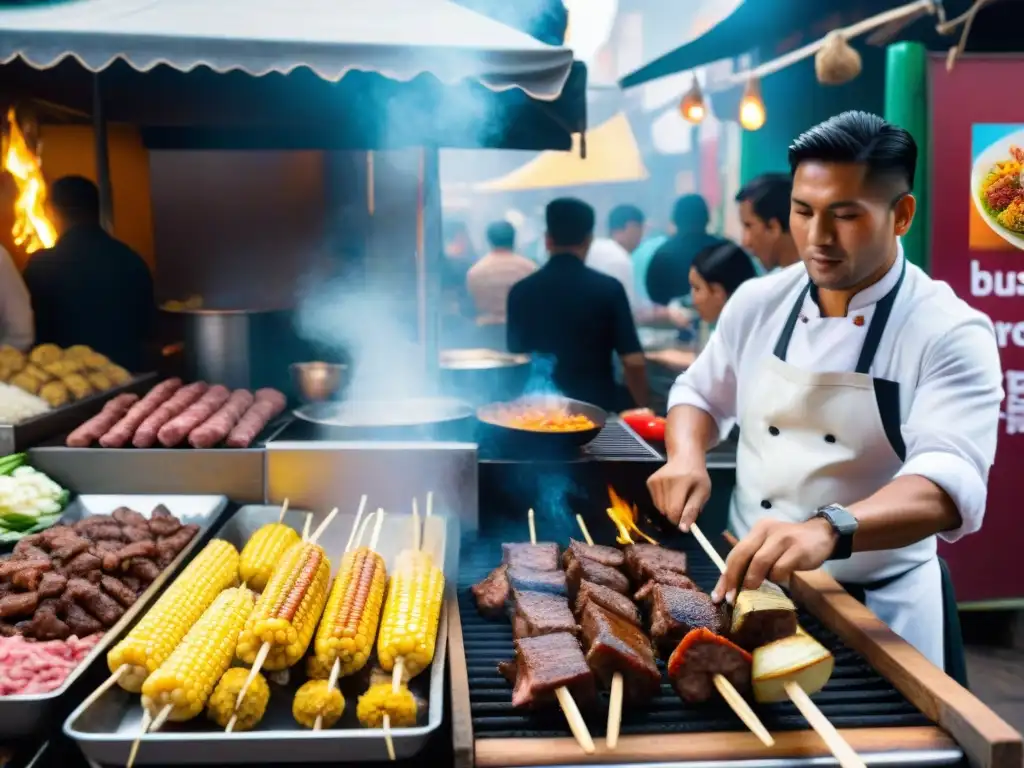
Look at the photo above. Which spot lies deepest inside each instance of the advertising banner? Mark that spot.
(977, 246)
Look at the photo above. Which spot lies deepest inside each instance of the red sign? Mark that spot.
(977, 128)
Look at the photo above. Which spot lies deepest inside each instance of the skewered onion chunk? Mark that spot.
(263, 552)
(221, 707)
(349, 625)
(796, 659)
(317, 699)
(411, 614)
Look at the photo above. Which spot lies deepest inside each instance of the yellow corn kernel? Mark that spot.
(165, 624)
(316, 699)
(315, 670)
(221, 706)
(187, 678)
(411, 614)
(287, 612)
(380, 700)
(349, 625)
(263, 551)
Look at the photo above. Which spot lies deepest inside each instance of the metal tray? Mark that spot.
(27, 713)
(105, 731)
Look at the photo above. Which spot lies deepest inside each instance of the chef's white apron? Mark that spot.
(810, 439)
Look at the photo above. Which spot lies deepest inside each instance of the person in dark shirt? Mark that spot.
(668, 276)
(578, 316)
(90, 288)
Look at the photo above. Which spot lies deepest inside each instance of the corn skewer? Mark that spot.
(264, 550)
(836, 744)
(223, 700)
(306, 525)
(284, 511)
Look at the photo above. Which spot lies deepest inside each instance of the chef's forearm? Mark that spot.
(908, 509)
(689, 433)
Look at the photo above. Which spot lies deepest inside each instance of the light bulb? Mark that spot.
(752, 112)
(692, 106)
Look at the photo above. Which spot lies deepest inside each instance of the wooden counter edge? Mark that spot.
(698, 747)
(986, 739)
(462, 718)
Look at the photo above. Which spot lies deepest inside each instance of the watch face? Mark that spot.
(841, 519)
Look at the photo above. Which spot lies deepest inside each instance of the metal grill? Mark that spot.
(856, 696)
(618, 442)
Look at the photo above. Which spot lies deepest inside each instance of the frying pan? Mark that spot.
(532, 441)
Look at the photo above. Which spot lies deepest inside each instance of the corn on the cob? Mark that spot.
(164, 625)
(349, 625)
(317, 699)
(187, 678)
(380, 700)
(287, 612)
(411, 614)
(263, 551)
(316, 670)
(221, 707)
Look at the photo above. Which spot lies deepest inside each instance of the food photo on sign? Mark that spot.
(997, 185)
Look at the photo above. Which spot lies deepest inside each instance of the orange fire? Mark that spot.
(32, 228)
(625, 518)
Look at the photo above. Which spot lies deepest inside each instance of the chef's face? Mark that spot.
(707, 298)
(845, 225)
(761, 238)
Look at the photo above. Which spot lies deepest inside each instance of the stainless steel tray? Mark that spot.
(105, 731)
(28, 713)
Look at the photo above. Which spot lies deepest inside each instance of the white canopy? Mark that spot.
(400, 39)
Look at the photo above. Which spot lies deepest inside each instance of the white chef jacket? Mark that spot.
(17, 327)
(942, 352)
(607, 256)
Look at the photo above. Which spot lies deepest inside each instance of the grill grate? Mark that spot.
(615, 441)
(856, 696)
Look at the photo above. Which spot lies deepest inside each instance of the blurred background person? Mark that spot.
(16, 328)
(578, 316)
(764, 213)
(611, 255)
(668, 276)
(715, 275)
(492, 277)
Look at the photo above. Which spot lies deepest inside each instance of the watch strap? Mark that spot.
(845, 526)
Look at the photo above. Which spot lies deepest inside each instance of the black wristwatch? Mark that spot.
(845, 526)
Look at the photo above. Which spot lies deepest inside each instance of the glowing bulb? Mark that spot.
(752, 112)
(692, 105)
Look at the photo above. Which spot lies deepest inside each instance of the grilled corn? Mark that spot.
(349, 625)
(317, 699)
(317, 671)
(380, 700)
(287, 612)
(411, 615)
(263, 551)
(221, 707)
(187, 678)
(165, 624)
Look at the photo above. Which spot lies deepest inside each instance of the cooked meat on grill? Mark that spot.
(143, 569)
(608, 599)
(133, 533)
(52, 585)
(547, 663)
(507, 669)
(492, 593)
(68, 547)
(168, 547)
(29, 551)
(675, 611)
(580, 569)
(539, 613)
(699, 657)
(644, 560)
(79, 620)
(614, 645)
(529, 580)
(669, 579)
(28, 579)
(610, 556)
(46, 624)
(99, 604)
(130, 518)
(542, 556)
(118, 590)
(11, 567)
(21, 604)
(81, 564)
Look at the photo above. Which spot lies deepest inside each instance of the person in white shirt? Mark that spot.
(16, 320)
(611, 255)
(764, 214)
(867, 396)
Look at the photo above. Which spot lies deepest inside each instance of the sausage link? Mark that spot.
(268, 403)
(177, 429)
(119, 435)
(98, 425)
(216, 428)
(145, 435)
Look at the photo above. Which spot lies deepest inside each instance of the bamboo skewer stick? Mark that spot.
(284, 511)
(149, 725)
(355, 525)
(306, 525)
(103, 687)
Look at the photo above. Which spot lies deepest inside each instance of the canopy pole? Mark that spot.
(99, 128)
(429, 252)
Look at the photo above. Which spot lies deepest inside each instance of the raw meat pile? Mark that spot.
(170, 413)
(27, 667)
(79, 579)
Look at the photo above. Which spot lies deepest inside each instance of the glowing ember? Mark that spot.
(625, 518)
(32, 228)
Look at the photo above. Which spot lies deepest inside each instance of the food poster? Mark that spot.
(977, 246)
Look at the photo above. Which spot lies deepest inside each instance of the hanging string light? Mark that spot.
(692, 106)
(752, 111)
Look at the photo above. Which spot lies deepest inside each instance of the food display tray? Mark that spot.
(28, 713)
(106, 729)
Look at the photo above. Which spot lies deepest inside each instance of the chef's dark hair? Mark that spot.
(769, 196)
(76, 198)
(501, 235)
(726, 264)
(569, 221)
(624, 215)
(889, 152)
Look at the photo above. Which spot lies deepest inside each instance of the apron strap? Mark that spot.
(878, 321)
(782, 345)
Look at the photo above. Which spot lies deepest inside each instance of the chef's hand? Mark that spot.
(773, 550)
(680, 489)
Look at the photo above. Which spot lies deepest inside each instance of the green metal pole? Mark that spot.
(906, 105)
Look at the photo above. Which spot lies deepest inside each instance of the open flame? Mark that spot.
(625, 517)
(32, 228)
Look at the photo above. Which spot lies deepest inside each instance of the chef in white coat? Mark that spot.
(867, 395)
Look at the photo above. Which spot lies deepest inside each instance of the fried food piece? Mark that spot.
(116, 374)
(78, 385)
(46, 353)
(55, 393)
(99, 381)
(26, 382)
(77, 352)
(95, 361)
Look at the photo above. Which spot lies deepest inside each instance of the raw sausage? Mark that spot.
(98, 425)
(119, 435)
(145, 435)
(177, 429)
(268, 403)
(216, 428)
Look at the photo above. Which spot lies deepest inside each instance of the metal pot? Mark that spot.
(427, 418)
(483, 376)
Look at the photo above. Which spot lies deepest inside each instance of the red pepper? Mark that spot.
(647, 425)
